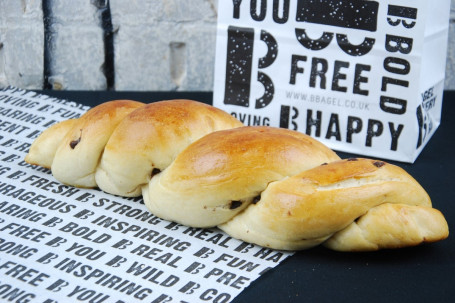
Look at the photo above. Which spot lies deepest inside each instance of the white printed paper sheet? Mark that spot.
(64, 244)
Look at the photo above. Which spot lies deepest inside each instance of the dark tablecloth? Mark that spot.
(418, 274)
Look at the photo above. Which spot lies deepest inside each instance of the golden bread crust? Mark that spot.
(79, 152)
(43, 149)
(315, 204)
(150, 138)
(390, 226)
(199, 187)
(197, 165)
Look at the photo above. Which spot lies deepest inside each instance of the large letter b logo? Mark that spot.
(239, 65)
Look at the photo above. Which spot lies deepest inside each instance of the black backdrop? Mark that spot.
(418, 274)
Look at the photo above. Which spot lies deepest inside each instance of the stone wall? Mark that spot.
(153, 45)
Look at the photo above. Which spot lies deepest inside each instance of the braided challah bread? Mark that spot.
(198, 166)
(354, 204)
(117, 145)
(219, 175)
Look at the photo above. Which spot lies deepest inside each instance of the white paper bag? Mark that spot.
(361, 76)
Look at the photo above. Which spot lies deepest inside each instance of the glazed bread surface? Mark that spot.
(118, 145)
(77, 155)
(307, 209)
(150, 138)
(198, 166)
(219, 175)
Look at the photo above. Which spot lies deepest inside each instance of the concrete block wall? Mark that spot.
(77, 52)
(164, 44)
(450, 66)
(21, 36)
(118, 45)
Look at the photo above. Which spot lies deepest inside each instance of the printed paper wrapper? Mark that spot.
(64, 244)
(361, 76)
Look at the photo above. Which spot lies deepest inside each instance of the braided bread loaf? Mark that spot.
(198, 166)
(117, 145)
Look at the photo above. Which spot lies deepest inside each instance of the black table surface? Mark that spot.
(419, 274)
